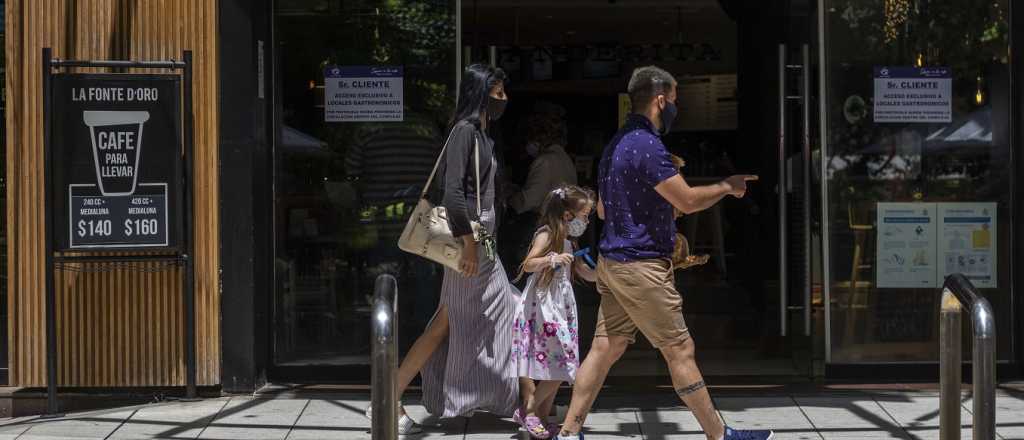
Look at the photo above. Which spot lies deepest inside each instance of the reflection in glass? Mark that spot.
(966, 160)
(344, 190)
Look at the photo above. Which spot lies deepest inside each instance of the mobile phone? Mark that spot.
(585, 253)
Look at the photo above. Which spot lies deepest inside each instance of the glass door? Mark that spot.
(574, 59)
(917, 170)
(366, 89)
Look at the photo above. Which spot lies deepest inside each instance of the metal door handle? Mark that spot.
(784, 183)
(783, 300)
(806, 103)
(807, 188)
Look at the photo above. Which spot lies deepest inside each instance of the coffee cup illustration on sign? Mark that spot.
(116, 148)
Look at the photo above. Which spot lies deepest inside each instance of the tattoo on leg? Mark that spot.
(579, 424)
(690, 389)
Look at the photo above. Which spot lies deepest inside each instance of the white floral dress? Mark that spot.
(545, 338)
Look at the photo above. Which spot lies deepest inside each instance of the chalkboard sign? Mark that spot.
(117, 149)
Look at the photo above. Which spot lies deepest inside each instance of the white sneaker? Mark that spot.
(406, 425)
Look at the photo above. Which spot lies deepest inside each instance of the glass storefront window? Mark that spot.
(344, 190)
(910, 200)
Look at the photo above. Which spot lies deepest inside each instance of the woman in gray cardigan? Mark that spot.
(464, 353)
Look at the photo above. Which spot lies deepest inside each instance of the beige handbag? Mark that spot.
(428, 233)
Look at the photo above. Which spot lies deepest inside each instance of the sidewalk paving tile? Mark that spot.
(849, 417)
(670, 424)
(175, 420)
(489, 422)
(14, 427)
(933, 433)
(87, 425)
(918, 413)
(446, 429)
(252, 418)
(610, 431)
(334, 413)
(823, 416)
(346, 420)
(679, 415)
(340, 433)
(780, 414)
(606, 426)
(488, 426)
(611, 417)
(671, 431)
(432, 435)
(1009, 415)
(11, 432)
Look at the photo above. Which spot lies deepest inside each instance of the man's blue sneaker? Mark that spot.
(578, 436)
(753, 434)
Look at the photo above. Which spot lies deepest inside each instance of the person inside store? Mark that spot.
(551, 168)
(639, 188)
(385, 165)
(464, 356)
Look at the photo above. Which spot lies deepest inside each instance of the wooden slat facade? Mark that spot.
(120, 328)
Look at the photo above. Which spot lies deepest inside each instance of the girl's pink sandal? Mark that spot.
(533, 425)
(536, 428)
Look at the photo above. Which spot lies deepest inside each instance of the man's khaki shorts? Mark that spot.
(640, 295)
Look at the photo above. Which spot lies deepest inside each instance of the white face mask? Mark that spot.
(577, 227)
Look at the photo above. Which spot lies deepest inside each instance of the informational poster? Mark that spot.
(967, 242)
(707, 102)
(906, 245)
(624, 108)
(913, 95)
(118, 140)
(363, 94)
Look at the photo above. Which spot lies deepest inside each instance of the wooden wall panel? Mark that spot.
(118, 328)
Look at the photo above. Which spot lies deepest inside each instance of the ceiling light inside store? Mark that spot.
(979, 96)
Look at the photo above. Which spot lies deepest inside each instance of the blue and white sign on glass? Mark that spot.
(913, 95)
(363, 94)
(906, 245)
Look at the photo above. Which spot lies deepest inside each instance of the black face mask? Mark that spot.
(495, 107)
(668, 116)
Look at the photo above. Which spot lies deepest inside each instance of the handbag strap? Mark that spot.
(440, 157)
(476, 147)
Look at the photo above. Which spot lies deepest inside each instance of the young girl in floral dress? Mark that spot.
(545, 343)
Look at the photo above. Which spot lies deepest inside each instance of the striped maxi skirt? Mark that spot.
(473, 369)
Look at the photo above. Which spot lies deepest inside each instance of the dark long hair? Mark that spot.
(562, 200)
(477, 82)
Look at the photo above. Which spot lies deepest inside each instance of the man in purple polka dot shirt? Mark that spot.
(638, 188)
